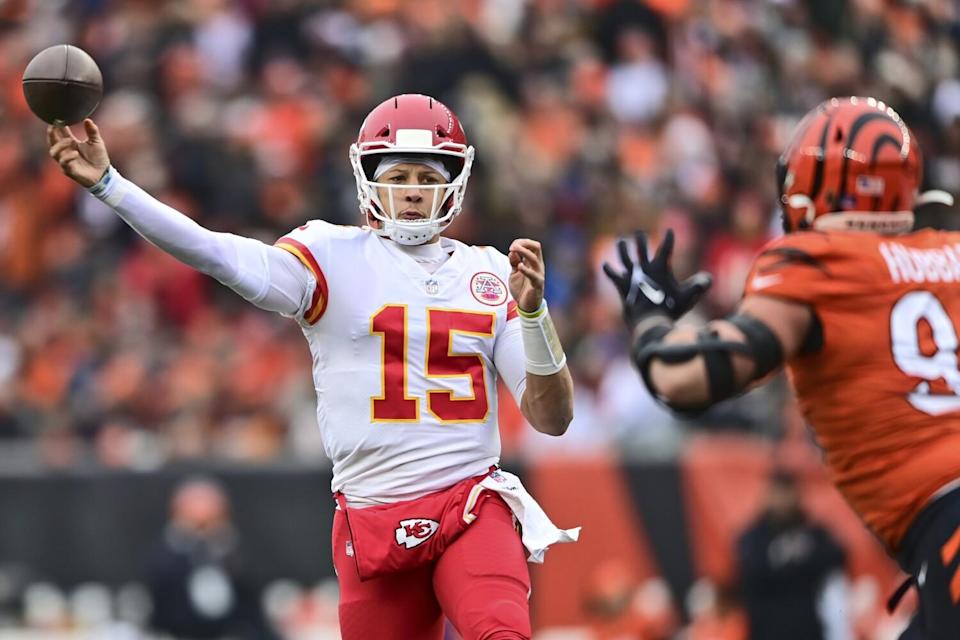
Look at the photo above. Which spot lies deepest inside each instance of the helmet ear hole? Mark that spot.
(441, 133)
(384, 133)
(781, 177)
(369, 165)
(453, 165)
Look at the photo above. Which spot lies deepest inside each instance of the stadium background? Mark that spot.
(122, 371)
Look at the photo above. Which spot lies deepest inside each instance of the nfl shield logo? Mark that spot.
(432, 286)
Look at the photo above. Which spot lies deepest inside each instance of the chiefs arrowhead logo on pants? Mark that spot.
(404, 535)
(415, 531)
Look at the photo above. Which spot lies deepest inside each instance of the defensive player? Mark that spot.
(409, 332)
(863, 312)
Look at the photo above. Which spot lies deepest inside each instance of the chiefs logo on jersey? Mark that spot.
(415, 531)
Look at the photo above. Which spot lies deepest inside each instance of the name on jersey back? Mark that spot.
(907, 264)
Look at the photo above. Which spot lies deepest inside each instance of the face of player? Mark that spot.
(414, 195)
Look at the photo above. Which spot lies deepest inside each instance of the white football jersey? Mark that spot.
(405, 362)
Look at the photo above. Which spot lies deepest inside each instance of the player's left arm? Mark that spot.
(547, 400)
(777, 327)
(691, 368)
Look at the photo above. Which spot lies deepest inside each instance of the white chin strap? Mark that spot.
(409, 232)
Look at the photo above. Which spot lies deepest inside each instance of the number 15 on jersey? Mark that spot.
(394, 404)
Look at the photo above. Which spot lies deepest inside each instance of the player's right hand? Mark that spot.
(84, 161)
(650, 287)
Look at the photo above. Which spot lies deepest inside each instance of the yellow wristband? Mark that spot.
(539, 311)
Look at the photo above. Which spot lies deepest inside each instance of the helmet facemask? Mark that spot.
(444, 200)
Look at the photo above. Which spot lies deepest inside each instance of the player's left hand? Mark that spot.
(650, 287)
(527, 275)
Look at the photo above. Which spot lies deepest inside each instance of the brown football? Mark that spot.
(62, 84)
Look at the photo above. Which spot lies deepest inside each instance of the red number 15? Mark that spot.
(394, 405)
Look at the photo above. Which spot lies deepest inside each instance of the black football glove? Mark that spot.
(650, 287)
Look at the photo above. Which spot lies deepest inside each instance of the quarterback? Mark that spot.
(863, 312)
(409, 332)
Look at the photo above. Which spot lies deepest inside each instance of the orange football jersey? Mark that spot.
(882, 394)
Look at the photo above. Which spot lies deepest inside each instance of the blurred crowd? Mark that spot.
(591, 118)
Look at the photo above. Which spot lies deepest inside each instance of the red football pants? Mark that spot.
(480, 583)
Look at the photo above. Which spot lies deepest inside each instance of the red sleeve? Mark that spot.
(511, 310)
(318, 303)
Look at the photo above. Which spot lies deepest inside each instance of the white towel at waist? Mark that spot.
(537, 531)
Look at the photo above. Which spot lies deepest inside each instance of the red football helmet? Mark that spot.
(852, 164)
(412, 126)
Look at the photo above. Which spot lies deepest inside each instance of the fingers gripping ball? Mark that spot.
(62, 84)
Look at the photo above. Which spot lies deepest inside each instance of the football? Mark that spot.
(62, 84)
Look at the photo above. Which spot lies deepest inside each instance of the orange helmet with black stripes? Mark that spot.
(852, 164)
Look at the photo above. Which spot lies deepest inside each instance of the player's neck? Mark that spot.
(432, 249)
(429, 255)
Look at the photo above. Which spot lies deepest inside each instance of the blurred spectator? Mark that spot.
(714, 614)
(730, 252)
(196, 576)
(638, 84)
(784, 562)
(617, 607)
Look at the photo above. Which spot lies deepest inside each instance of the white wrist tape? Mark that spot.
(541, 344)
(111, 188)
